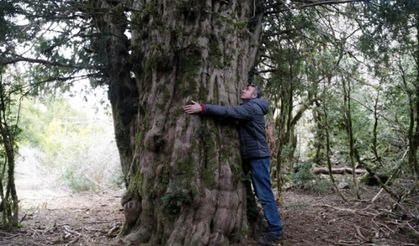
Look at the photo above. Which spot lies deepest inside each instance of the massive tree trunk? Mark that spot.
(183, 173)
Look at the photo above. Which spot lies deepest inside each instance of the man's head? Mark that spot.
(250, 92)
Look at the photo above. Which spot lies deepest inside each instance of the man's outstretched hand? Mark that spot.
(193, 108)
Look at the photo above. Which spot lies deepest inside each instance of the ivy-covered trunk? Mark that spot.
(183, 173)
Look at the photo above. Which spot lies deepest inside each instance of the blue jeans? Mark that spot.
(261, 180)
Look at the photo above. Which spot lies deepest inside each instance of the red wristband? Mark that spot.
(202, 107)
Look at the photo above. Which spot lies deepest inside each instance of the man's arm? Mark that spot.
(240, 112)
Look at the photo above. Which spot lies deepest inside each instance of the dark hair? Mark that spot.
(258, 90)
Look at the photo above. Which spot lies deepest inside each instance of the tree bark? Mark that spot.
(183, 173)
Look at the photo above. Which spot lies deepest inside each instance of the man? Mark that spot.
(253, 149)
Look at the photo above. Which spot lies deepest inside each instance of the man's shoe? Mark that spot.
(269, 238)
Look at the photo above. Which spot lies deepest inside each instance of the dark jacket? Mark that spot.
(251, 125)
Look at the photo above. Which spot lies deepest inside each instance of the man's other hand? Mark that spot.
(193, 108)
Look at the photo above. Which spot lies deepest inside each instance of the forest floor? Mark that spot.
(49, 218)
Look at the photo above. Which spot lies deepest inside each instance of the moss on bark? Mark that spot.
(184, 170)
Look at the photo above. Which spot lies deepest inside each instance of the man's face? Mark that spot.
(248, 92)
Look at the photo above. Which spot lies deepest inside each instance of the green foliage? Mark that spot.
(302, 178)
(54, 37)
(6, 9)
(77, 181)
(302, 174)
(46, 122)
(77, 149)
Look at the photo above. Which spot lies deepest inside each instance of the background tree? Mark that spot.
(350, 49)
(8, 134)
(9, 89)
(401, 28)
(287, 68)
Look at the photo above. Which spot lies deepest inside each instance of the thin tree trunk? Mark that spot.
(285, 124)
(183, 172)
(411, 134)
(280, 124)
(326, 131)
(348, 118)
(285, 132)
(374, 133)
(9, 203)
(416, 136)
(318, 136)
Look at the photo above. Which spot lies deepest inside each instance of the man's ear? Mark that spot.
(255, 93)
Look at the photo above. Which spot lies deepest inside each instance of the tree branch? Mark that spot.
(43, 62)
(328, 2)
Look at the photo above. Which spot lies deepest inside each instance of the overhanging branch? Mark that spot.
(327, 2)
(302, 4)
(14, 60)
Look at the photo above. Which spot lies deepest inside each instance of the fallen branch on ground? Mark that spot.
(384, 185)
(74, 240)
(359, 233)
(348, 210)
(337, 170)
(67, 229)
(412, 228)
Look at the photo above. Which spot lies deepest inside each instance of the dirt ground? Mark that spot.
(312, 219)
(60, 218)
(309, 219)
